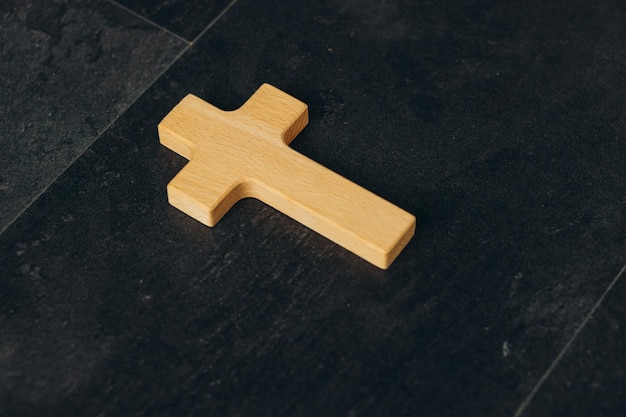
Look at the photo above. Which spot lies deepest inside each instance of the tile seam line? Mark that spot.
(568, 345)
(214, 21)
(188, 45)
(150, 22)
(90, 144)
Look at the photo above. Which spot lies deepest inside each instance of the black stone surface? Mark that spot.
(183, 17)
(67, 70)
(500, 126)
(589, 380)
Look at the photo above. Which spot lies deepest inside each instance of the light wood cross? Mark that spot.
(245, 153)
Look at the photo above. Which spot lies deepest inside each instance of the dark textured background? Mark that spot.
(500, 125)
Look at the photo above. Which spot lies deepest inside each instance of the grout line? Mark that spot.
(558, 358)
(214, 21)
(188, 45)
(145, 19)
(90, 144)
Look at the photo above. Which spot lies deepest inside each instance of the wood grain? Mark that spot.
(245, 153)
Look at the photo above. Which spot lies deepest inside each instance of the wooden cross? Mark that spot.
(245, 153)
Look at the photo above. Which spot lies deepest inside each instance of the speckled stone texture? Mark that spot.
(590, 378)
(185, 18)
(500, 125)
(67, 70)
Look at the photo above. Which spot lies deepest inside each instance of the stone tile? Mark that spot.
(67, 70)
(590, 380)
(183, 17)
(500, 127)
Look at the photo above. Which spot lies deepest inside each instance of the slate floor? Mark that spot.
(499, 125)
